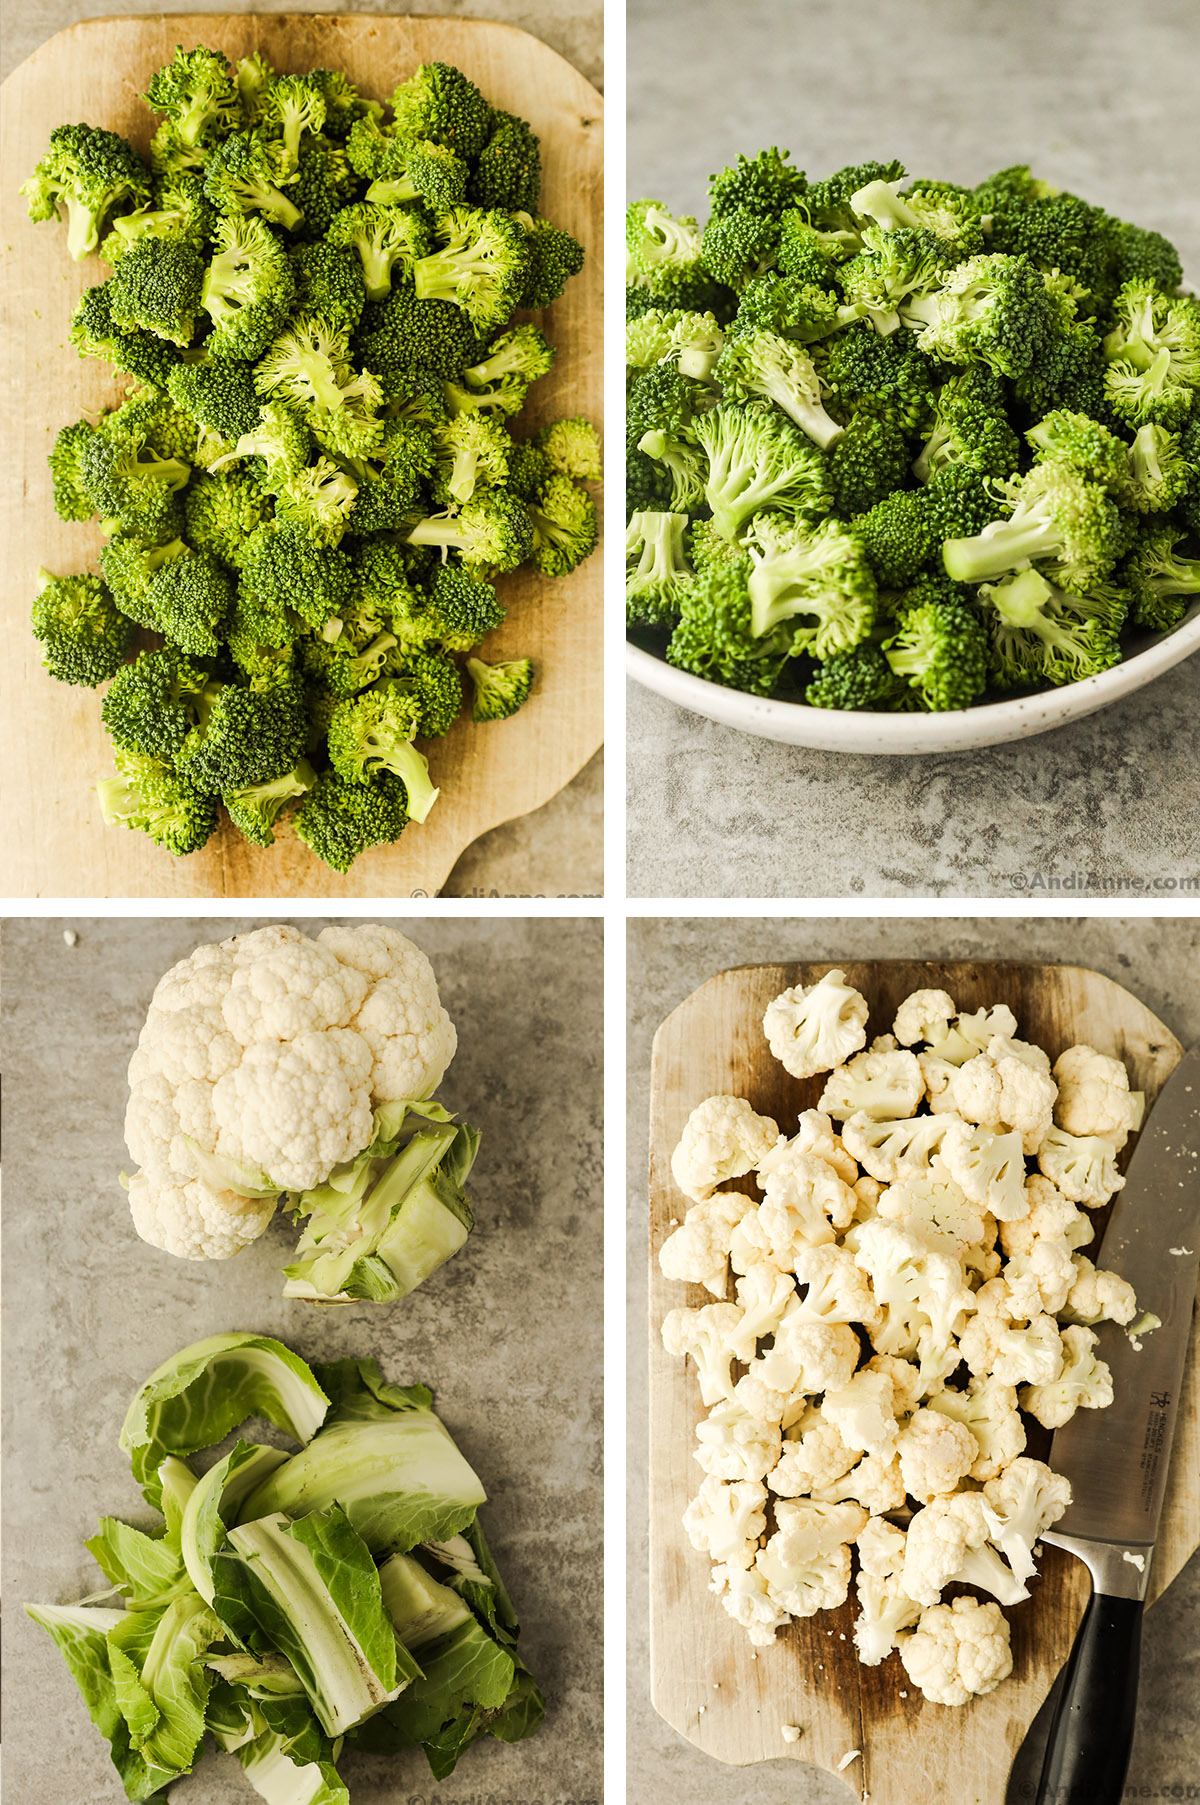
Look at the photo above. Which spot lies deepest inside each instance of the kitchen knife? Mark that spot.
(1117, 1459)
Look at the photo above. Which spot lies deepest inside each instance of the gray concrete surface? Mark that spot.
(956, 91)
(508, 1334)
(1158, 959)
(558, 850)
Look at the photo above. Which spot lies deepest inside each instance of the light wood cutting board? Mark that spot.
(52, 746)
(704, 1679)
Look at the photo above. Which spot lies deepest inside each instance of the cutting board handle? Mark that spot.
(1092, 1730)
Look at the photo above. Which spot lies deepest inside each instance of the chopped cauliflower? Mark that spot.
(1016, 1355)
(875, 1483)
(743, 1593)
(1051, 1217)
(889, 1150)
(736, 1445)
(925, 1015)
(972, 1034)
(931, 1206)
(1094, 1097)
(697, 1253)
(958, 1651)
(723, 1138)
(806, 1563)
(1084, 1167)
(807, 1355)
(763, 1294)
(989, 1167)
(885, 1609)
(816, 1134)
(804, 1201)
(907, 1390)
(989, 1410)
(935, 1454)
(813, 1029)
(1082, 1382)
(703, 1336)
(1098, 1296)
(814, 1456)
(725, 1521)
(1038, 1281)
(950, 1542)
(861, 1411)
(882, 1085)
(837, 1289)
(1008, 1093)
(938, 1076)
(1026, 1498)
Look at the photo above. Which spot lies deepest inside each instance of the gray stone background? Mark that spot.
(1159, 960)
(557, 850)
(1098, 97)
(507, 1335)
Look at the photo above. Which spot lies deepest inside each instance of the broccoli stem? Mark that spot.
(82, 228)
(1000, 547)
(438, 529)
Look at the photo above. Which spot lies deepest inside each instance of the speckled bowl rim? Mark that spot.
(911, 735)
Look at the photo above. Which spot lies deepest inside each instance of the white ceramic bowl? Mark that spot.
(961, 730)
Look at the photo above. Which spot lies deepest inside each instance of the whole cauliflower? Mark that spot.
(812, 1030)
(259, 1067)
(958, 1651)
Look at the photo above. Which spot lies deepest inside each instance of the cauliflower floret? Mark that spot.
(1006, 1092)
(1026, 1498)
(990, 1168)
(931, 1206)
(804, 1201)
(698, 1251)
(875, 1483)
(885, 1609)
(890, 1150)
(1083, 1167)
(1082, 1383)
(763, 1294)
(295, 1109)
(1097, 1296)
(861, 1411)
(194, 1222)
(806, 1563)
(723, 1138)
(813, 1029)
(913, 1285)
(808, 1356)
(725, 1521)
(958, 1651)
(1005, 1046)
(704, 1335)
(925, 1015)
(882, 1085)
(838, 1288)
(743, 1593)
(814, 1456)
(935, 1453)
(1038, 1281)
(905, 1378)
(815, 1134)
(412, 1039)
(972, 1034)
(950, 1542)
(989, 1410)
(1051, 1217)
(1094, 1097)
(764, 1402)
(992, 1344)
(735, 1445)
(937, 1076)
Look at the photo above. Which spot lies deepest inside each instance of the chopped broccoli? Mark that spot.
(940, 649)
(373, 733)
(433, 682)
(290, 106)
(472, 455)
(196, 91)
(758, 459)
(243, 736)
(153, 704)
(404, 338)
(191, 598)
(285, 566)
(564, 526)
(149, 795)
(248, 290)
(329, 282)
(572, 447)
(320, 497)
(899, 535)
(1153, 354)
(84, 639)
(499, 689)
(324, 183)
(494, 531)
(129, 568)
(739, 245)
(480, 264)
(245, 175)
(692, 341)
(339, 819)
(552, 257)
(462, 608)
(1159, 580)
(94, 333)
(817, 578)
(89, 173)
(868, 461)
(156, 288)
(1157, 474)
(1065, 437)
(862, 678)
(71, 499)
(761, 363)
(1057, 518)
(508, 170)
(1041, 634)
(385, 239)
(221, 510)
(764, 184)
(663, 253)
(255, 808)
(715, 637)
(441, 103)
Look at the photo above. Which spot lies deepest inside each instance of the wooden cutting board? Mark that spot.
(52, 746)
(704, 1679)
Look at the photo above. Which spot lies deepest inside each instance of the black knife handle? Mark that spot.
(1092, 1732)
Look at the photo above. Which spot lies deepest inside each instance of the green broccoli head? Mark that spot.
(508, 170)
(552, 257)
(329, 282)
(739, 245)
(291, 112)
(247, 174)
(1153, 356)
(663, 252)
(248, 290)
(868, 461)
(472, 455)
(191, 598)
(84, 639)
(219, 395)
(759, 459)
(87, 173)
(432, 680)
(499, 689)
(764, 184)
(899, 535)
(573, 448)
(324, 183)
(941, 649)
(340, 818)
(129, 568)
(816, 578)
(859, 679)
(385, 239)
(565, 529)
(1041, 634)
(403, 340)
(1065, 437)
(255, 808)
(1157, 474)
(715, 637)
(462, 608)
(656, 569)
(1058, 519)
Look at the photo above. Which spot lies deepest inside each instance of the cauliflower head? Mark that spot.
(258, 1070)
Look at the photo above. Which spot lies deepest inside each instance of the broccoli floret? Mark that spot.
(308, 364)
(961, 501)
(94, 333)
(192, 598)
(384, 238)
(692, 341)
(706, 547)
(439, 102)
(255, 808)
(472, 455)
(248, 289)
(479, 264)
(126, 478)
(329, 282)
(524, 353)
(1153, 354)
(324, 183)
(552, 257)
(508, 171)
(894, 267)
(814, 578)
(494, 531)
(899, 535)
(1159, 580)
(285, 566)
(993, 309)
(949, 214)
(339, 818)
(1157, 474)
(344, 105)
(71, 499)
(715, 637)
(862, 367)
(244, 174)
(762, 363)
(800, 311)
(148, 795)
(573, 448)
(1188, 509)
(179, 212)
(88, 172)
(290, 106)
(196, 91)
(156, 288)
(433, 682)
(499, 689)
(862, 678)
(941, 651)
(1143, 255)
(765, 183)
(564, 527)
(373, 733)
(828, 204)
(528, 469)
(390, 484)
(968, 434)
(280, 438)
(243, 736)
(219, 395)
(320, 497)
(84, 639)
(1068, 373)
(868, 461)
(663, 253)
(153, 704)
(339, 668)
(758, 459)
(1040, 634)
(738, 245)
(808, 255)
(1065, 437)
(1060, 232)
(657, 570)
(462, 608)
(404, 339)
(648, 483)
(129, 568)
(402, 169)
(1057, 518)
(170, 157)
(222, 510)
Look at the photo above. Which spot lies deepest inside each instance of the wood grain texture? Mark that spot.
(52, 745)
(704, 1678)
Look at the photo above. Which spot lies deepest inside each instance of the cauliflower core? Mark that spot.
(258, 1070)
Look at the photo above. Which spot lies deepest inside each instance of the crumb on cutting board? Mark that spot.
(847, 1758)
(790, 1732)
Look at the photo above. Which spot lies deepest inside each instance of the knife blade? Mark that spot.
(1117, 1459)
